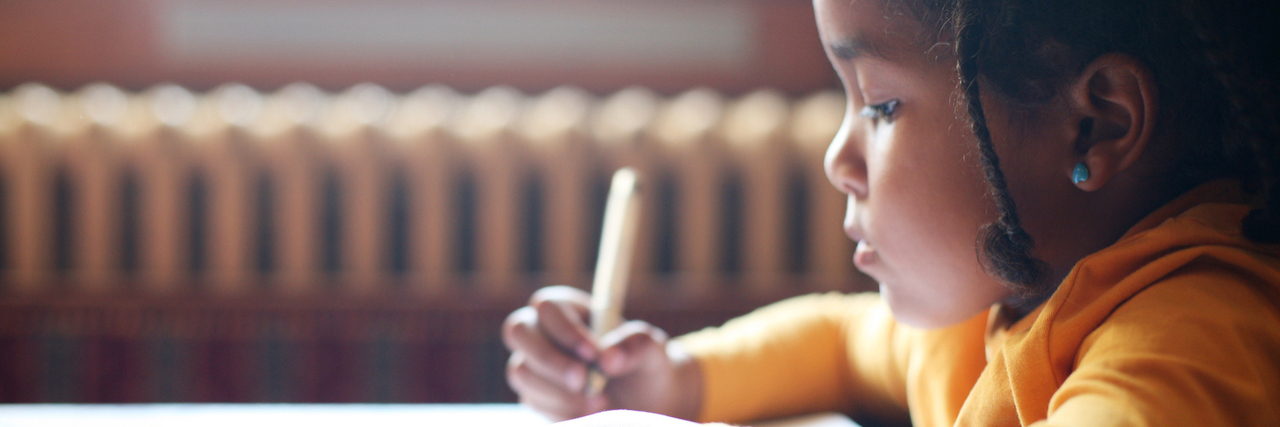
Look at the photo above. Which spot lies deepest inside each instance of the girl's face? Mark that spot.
(908, 163)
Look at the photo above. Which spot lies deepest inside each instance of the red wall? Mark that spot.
(69, 43)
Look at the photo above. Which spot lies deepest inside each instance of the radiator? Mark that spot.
(302, 245)
(362, 190)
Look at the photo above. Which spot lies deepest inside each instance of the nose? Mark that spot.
(845, 162)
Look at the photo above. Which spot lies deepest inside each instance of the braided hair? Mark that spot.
(1212, 66)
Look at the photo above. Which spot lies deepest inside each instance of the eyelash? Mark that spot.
(883, 111)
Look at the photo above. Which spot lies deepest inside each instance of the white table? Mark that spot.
(307, 415)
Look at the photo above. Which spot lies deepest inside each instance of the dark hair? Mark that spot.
(1214, 69)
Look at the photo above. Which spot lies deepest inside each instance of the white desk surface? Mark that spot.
(308, 415)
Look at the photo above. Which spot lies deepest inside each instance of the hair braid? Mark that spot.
(1004, 246)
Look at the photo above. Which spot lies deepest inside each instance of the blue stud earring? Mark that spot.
(1080, 174)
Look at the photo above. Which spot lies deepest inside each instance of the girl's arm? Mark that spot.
(813, 353)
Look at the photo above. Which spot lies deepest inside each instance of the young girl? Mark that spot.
(1071, 208)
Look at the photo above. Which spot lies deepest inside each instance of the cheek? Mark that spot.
(932, 194)
(929, 200)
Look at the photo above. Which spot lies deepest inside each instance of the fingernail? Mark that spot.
(586, 351)
(575, 379)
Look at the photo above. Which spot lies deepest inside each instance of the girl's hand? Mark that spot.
(551, 348)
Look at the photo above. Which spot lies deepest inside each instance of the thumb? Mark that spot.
(631, 346)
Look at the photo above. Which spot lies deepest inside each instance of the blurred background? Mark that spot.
(340, 201)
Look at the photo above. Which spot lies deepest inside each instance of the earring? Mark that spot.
(1080, 174)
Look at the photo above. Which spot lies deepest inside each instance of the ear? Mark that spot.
(1115, 102)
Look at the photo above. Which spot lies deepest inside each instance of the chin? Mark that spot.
(916, 313)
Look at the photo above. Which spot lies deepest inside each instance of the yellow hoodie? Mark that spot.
(1177, 323)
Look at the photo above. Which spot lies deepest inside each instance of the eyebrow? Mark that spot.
(857, 46)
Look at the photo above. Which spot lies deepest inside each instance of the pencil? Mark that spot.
(617, 244)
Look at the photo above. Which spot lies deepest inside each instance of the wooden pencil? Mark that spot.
(613, 267)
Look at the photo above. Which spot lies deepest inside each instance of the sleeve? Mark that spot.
(801, 355)
(1179, 353)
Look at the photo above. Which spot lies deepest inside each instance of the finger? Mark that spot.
(546, 398)
(521, 318)
(544, 358)
(530, 389)
(630, 346)
(558, 320)
(579, 300)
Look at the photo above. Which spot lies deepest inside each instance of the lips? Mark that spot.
(865, 254)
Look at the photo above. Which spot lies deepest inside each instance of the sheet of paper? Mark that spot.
(311, 415)
(272, 415)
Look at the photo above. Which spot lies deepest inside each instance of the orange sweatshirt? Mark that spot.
(1177, 323)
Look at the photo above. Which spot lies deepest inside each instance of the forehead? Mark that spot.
(869, 28)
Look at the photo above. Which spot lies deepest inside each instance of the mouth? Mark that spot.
(865, 255)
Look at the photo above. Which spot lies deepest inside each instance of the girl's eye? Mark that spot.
(880, 112)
